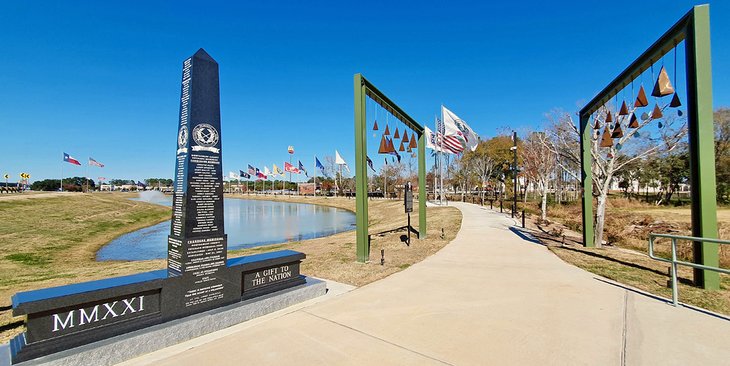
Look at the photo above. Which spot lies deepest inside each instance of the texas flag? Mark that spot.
(67, 158)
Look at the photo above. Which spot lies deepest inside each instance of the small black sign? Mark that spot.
(408, 197)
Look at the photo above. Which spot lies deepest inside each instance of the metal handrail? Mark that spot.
(674, 262)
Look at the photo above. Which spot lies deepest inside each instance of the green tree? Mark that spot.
(46, 185)
(673, 170)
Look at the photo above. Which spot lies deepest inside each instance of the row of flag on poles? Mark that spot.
(255, 173)
(71, 160)
(453, 135)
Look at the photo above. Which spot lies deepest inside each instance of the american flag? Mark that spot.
(95, 163)
(450, 144)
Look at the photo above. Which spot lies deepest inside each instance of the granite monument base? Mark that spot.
(127, 346)
(63, 318)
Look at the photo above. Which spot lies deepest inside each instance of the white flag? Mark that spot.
(455, 126)
(233, 175)
(431, 142)
(266, 171)
(338, 159)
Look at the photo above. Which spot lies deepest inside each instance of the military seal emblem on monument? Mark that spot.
(182, 140)
(206, 136)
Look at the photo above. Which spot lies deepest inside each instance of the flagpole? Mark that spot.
(290, 154)
(441, 158)
(385, 181)
(62, 175)
(315, 177)
(87, 177)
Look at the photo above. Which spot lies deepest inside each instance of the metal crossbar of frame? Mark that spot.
(694, 30)
(363, 89)
(674, 262)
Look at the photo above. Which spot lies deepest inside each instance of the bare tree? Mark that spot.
(651, 136)
(483, 162)
(539, 163)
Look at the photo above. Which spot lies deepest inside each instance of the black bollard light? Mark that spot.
(500, 206)
(382, 257)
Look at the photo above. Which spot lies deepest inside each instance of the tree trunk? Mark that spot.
(600, 220)
(543, 206)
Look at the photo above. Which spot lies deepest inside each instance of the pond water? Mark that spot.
(248, 223)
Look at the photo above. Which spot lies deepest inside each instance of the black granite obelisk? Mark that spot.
(199, 277)
(197, 244)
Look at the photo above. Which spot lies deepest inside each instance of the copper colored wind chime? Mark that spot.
(662, 88)
(386, 143)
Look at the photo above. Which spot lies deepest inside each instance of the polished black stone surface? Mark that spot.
(199, 276)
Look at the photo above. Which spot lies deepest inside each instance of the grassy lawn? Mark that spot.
(333, 257)
(51, 240)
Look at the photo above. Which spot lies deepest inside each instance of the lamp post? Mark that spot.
(514, 172)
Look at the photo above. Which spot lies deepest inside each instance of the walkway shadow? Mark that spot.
(525, 235)
(684, 281)
(403, 238)
(662, 299)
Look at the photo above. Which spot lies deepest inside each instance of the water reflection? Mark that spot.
(248, 223)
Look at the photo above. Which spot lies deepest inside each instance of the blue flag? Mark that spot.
(244, 174)
(301, 168)
(370, 163)
(320, 166)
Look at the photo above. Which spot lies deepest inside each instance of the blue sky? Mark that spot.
(103, 80)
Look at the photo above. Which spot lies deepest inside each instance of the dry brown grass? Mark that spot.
(334, 257)
(626, 259)
(52, 240)
(628, 224)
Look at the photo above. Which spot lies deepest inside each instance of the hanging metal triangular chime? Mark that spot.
(405, 136)
(624, 110)
(633, 121)
(596, 125)
(663, 86)
(375, 125)
(387, 131)
(617, 132)
(383, 145)
(413, 144)
(641, 100)
(606, 140)
(609, 118)
(401, 147)
(657, 112)
(396, 135)
(675, 101)
(389, 148)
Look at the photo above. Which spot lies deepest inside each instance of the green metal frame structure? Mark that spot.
(364, 88)
(694, 30)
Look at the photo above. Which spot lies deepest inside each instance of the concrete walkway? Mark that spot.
(489, 297)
